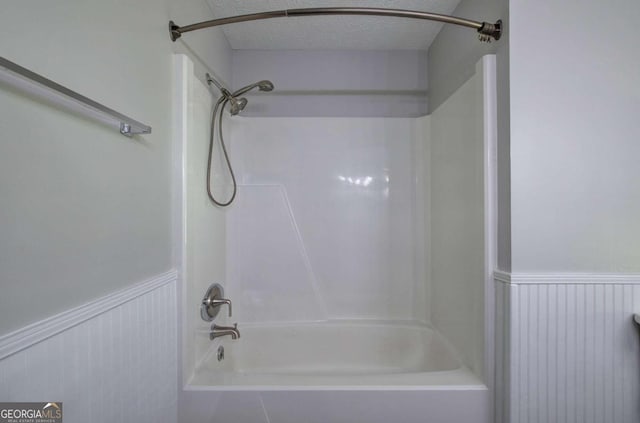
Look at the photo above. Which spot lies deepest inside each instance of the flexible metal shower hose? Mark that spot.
(220, 104)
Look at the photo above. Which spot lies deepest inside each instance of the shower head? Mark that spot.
(236, 105)
(261, 85)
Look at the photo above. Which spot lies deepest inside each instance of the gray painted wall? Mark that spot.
(336, 83)
(86, 211)
(452, 59)
(575, 103)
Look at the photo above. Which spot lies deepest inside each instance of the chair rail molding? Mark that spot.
(514, 278)
(34, 333)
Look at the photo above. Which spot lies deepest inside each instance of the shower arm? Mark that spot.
(486, 31)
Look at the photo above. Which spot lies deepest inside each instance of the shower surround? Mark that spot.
(326, 254)
(325, 224)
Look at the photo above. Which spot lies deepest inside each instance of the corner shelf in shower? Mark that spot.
(35, 84)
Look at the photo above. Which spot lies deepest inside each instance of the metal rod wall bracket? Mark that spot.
(486, 31)
(28, 81)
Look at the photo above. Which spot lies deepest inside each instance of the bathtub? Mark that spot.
(333, 354)
(341, 370)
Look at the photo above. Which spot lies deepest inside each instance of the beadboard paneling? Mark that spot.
(118, 366)
(501, 368)
(574, 352)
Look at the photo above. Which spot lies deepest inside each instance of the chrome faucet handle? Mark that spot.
(213, 299)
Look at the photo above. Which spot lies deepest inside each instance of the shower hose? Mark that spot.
(220, 105)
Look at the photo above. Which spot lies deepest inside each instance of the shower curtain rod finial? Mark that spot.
(174, 31)
(491, 30)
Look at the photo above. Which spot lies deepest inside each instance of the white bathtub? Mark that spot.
(334, 354)
(335, 372)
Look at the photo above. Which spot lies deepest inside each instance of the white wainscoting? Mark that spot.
(570, 348)
(501, 364)
(112, 360)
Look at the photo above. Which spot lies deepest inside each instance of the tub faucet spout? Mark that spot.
(218, 331)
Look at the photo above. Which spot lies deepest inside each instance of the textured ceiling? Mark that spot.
(331, 32)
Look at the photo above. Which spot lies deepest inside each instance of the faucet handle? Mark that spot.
(217, 303)
(211, 302)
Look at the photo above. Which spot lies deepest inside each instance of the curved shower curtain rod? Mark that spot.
(486, 30)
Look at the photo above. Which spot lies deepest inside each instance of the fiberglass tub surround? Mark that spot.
(324, 228)
(353, 255)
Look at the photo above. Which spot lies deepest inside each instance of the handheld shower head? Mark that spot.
(265, 85)
(261, 85)
(236, 105)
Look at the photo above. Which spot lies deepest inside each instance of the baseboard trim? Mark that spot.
(566, 278)
(34, 333)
